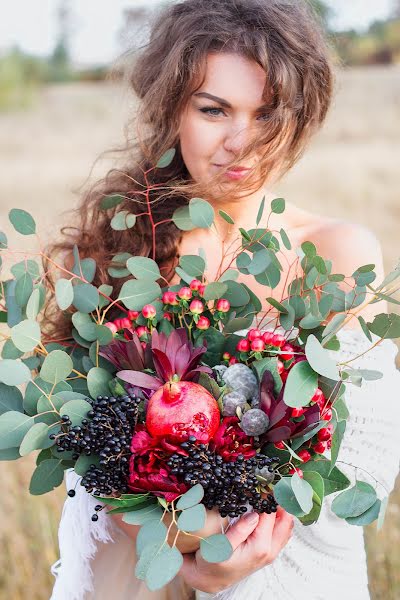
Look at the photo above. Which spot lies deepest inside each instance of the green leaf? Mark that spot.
(229, 274)
(216, 548)
(23, 289)
(237, 324)
(118, 266)
(226, 217)
(182, 219)
(355, 501)
(285, 239)
(192, 519)
(97, 382)
(166, 159)
(111, 201)
(269, 363)
(320, 359)
(48, 475)
(237, 294)
(278, 205)
(85, 268)
(123, 220)
(56, 366)
(33, 306)
(317, 484)
(85, 326)
(334, 481)
(136, 293)
(214, 290)
(22, 221)
(104, 335)
(193, 265)
(303, 493)
(367, 517)
(191, 497)
(299, 441)
(260, 211)
(301, 385)
(84, 462)
(34, 392)
(142, 267)
(337, 439)
(262, 259)
(10, 399)
(3, 241)
(13, 427)
(64, 293)
(86, 297)
(26, 335)
(201, 212)
(107, 290)
(333, 326)
(76, 410)
(149, 533)
(386, 326)
(309, 249)
(163, 568)
(25, 266)
(10, 351)
(14, 372)
(36, 438)
(139, 517)
(277, 305)
(286, 497)
(9, 454)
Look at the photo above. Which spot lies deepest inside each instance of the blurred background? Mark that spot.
(59, 110)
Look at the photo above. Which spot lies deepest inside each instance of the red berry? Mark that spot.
(117, 323)
(203, 323)
(167, 316)
(125, 324)
(327, 414)
(280, 445)
(185, 293)
(318, 397)
(127, 334)
(257, 345)
(278, 340)
(112, 327)
(253, 334)
(141, 330)
(149, 311)
(170, 298)
(223, 305)
(195, 284)
(133, 314)
(297, 412)
(287, 352)
(325, 434)
(196, 306)
(280, 367)
(201, 289)
(284, 375)
(267, 337)
(296, 470)
(320, 447)
(226, 356)
(304, 455)
(243, 346)
(233, 360)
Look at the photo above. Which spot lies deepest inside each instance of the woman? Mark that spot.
(238, 87)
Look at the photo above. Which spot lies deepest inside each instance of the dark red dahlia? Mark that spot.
(230, 440)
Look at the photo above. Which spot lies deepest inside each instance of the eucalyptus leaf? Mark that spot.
(123, 220)
(143, 267)
(334, 480)
(166, 159)
(111, 201)
(136, 293)
(14, 372)
(278, 205)
(320, 359)
(139, 517)
(56, 366)
(163, 568)
(36, 438)
(86, 297)
(337, 439)
(76, 410)
(226, 217)
(30, 266)
(303, 492)
(193, 265)
(33, 306)
(97, 382)
(191, 498)
(10, 399)
(192, 519)
(150, 532)
(23, 289)
(216, 548)
(182, 219)
(355, 501)
(382, 512)
(3, 240)
(26, 335)
(368, 517)
(85, 326)
(385, 326)
(48, 475)
(301, 385)
(64, 293)
(214, 290)
(13, 427)
(201, 213)
(285, 496)
(22, 221)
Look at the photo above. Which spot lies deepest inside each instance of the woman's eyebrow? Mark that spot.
(222, 101)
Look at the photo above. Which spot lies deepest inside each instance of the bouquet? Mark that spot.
(170, 400)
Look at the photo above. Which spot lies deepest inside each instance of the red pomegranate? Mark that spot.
(181, 409)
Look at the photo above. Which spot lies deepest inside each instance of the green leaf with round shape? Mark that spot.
(166, 159)
(216, 548)
(107, 290)
(14, 313)
(192, 519)
(86, 297)
(303, 493)
(149, 533)
(271, 277)
(163, 568)
(309, 249)
(229, 275)
(36, 438)
(278, 205)
(192, 497)
(56, 366)
(13, 427)
(136, 293)
(26, 335)
(23, 289)
(355, 501)
(333, 327)
(226, 217)
(386, 326)
(301, 385)
(261, 261)
(285, 239)
(317, 484)
(10, 399)
(183, 275)
(3, 241)
(111, 201)
(182, 219)
(76, 410)
(14, 372)
(277, 305)
(22, 221)
(85, 268)
(104, 335)
(48, 475)
(242, 262)
(85, 326)
(83, 463)
(64, 293)
(33, 306)
(143, 267)
(97, 382)
(285, 496)
(29, 266)
(10, 350)
(237, 294)
(118, 267)
(310, 322)
(237, 324)
(287, 320)
(9, 454)
(34, 392)
(201, 213)
(368, 517)
(215, 290)
(320, 265)
(320, 359)
(123, 220)
(44, 404)
(260, 211)
(334, 481)
(193, 265)
(139, 517)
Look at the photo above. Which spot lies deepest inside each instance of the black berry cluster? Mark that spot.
(229, 486)
(106, 433)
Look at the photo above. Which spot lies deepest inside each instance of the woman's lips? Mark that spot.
(236, 172)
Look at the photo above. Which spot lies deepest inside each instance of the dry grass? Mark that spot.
(351, 171)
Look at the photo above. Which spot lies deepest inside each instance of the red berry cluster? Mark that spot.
(256, 342)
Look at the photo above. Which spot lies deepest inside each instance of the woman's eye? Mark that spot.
(208, 110)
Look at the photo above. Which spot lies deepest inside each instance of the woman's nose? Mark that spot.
(237, 138)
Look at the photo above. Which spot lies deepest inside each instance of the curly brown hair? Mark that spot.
(285, 37)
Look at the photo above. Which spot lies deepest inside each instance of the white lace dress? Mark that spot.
(323, 561)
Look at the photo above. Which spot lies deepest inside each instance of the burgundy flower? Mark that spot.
(148, 470)
(230, 440)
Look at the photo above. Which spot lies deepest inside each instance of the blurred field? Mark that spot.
(351, 171)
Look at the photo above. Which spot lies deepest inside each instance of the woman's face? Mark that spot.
(222, 116)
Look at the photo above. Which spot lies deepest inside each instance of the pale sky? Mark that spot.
(32, 24)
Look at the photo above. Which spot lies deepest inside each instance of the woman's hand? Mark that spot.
(256, 540)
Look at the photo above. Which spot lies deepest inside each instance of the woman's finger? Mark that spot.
(242, 529)
(282, 532)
